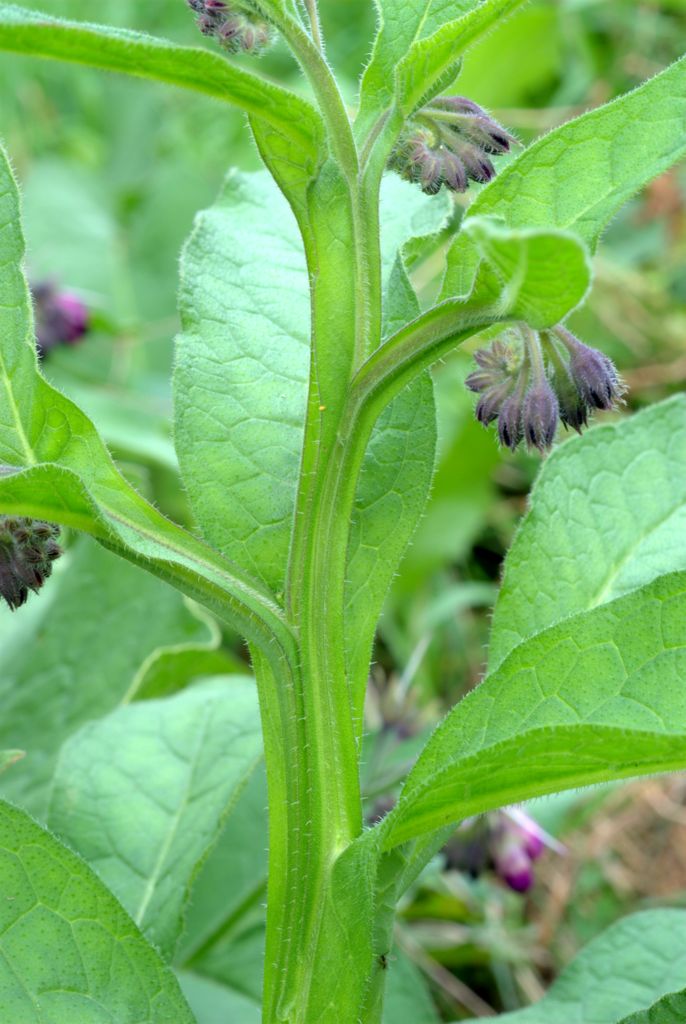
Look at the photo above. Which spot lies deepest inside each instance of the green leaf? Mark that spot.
(73, 654)
(146, 832)
(580, 174)
(68, 951)
(634, 962)
(54, 466)
(670, 1009)
(597, 697)
(241, 373)
(411, 32)
(433, 61)
(532, 275)
(607, 515)
(133, 53)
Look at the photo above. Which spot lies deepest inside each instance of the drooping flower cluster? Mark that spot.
(28, 547)
(236, 30)
(528, 380)
(448, 142)
(61, 317)
(508, 842)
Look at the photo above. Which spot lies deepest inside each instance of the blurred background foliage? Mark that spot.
(112, 172)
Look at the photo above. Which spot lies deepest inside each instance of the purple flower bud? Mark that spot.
(539, 415)
(510, 429)
(479, 167)
(491, 402)
(454, 172)
(61, 317)
(27, 550)
(593, 373)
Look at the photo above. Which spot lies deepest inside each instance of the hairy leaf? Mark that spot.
(68, 951)
(630, 965)
(74, 654)
(607, 515)
(597, 697)
(432, 62)
(413, 36)
(241, 373)
(146, 832)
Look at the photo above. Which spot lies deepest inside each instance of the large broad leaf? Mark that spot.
(597, 697)
(146, 831)
(607, 515)
(134, 53)
(241, 374)
(54, 466)
(670, 1009)
(630, 965)
(580, 174)
(74, 655)
(68, 951)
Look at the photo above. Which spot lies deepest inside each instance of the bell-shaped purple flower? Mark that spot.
(539, 415)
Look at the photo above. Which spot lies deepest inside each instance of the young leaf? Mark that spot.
(607, 515)
(670, 1009)
(241, 373)
(134, 53)
(432, 62)
(407, 41)
(68, 951)
(594, 698)
(115, 617)
(147, 832)
(634, 962)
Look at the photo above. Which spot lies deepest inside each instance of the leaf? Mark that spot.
(670, 1009)
(433, 61)
(134, 53)
(54, 466)
(631, 964)
(241, 373)
(597, 697)
(580, 174)
(537, 276)
(68, 951)
(410, 33)
(146, 832)
(607, 515)
(213, 1003)
(407, 994)
(73, 655)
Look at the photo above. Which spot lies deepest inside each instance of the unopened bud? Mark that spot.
(539, 416)
(593, 373)
(28, 547)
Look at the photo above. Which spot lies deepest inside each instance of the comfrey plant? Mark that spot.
(305, 432)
